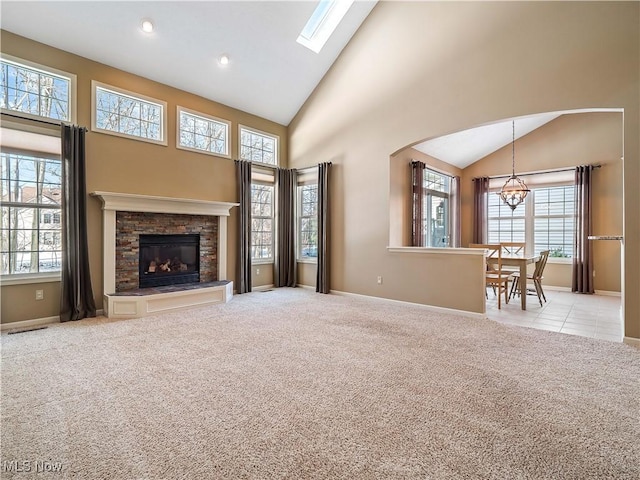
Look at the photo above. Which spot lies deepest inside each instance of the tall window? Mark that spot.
(203, 133)
(504, 224)
(554, 226)
(126, 114)
(435, 209)
(30, 225)
(259, 147)
(307, 221)
(262, 221)
(36, 91)
(545, 221)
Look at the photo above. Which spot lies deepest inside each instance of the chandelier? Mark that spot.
(514, 190)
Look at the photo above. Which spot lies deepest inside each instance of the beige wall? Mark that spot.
(569, 140)
(417, 70)
(122, 165)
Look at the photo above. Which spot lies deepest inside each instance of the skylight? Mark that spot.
(323, 21)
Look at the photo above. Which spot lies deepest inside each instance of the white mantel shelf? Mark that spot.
(126, 202)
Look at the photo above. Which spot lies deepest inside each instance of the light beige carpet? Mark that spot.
(296, 385)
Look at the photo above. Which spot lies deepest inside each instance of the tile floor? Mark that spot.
(595, 316)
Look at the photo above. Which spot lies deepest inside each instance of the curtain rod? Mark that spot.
(538, 172)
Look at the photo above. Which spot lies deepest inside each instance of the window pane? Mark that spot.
(257, 147)
(262, 221)
(28, 90)
(30, 214)
(130, 116)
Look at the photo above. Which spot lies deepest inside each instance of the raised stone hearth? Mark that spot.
(145, 214)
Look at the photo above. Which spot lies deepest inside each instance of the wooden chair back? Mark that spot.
(540, 264)
(493, 250)
(513, 248)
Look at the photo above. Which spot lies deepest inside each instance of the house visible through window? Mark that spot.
(122, 113)
(36, 91)
(30, 224)
(262, 221)
(258, 147)
(545, 221)
(436, 209)
(203, 133)
(308, 221)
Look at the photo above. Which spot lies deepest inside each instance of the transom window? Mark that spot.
(545, 221)
(30, 228)
(126, 114)
(308, 221)
(259, 147)
(33, 90)
(262, 196)
(203, 133)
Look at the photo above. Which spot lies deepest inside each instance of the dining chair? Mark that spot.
(512, 248)
(495, 277)
(536, 278)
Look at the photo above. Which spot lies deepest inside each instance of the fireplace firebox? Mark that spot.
(169, 260)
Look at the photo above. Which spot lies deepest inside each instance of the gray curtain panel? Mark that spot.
(480, 192)
(456, 211)
(324, 222)
(76, 300)
(285, 262)
(417, 185)
(582, 281)
(243, 272)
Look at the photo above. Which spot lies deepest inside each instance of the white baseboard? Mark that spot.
(36, 322)
(608, 293)
(634, 342)
(568, 289)
(555, 289)
(262, 288)
(432, 308)
(306, 287)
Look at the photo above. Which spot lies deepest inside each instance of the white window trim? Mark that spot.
(271, 259)
(260, 132)
(28, 278)
(135, 96)
(204, 116)
(529, 219)
(73, 90)
(299, 258)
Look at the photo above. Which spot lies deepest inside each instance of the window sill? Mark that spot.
(313, 261)
(560, 260)
(266, 261)
(29, 278)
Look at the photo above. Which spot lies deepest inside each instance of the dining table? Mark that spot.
(520, 260)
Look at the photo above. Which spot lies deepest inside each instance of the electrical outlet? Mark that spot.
(39, 294)
(379, 279)
(257, 271)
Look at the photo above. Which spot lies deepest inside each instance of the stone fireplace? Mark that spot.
(135, 228)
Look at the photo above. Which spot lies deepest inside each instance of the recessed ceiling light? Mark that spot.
(147, 26)
(224, 60)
